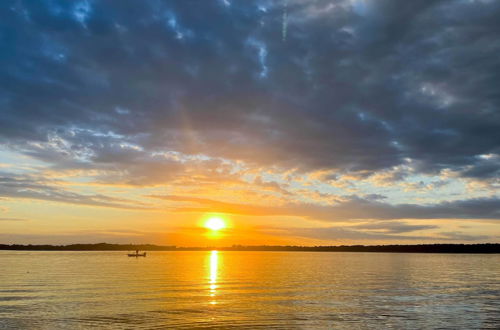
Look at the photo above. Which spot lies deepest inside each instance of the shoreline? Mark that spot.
(485, 248)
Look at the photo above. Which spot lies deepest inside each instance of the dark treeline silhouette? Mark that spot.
(421, 248)
(89, 247)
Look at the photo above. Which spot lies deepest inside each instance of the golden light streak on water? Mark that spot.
(214, 265)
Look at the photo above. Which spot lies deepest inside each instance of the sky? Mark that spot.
(305, 122)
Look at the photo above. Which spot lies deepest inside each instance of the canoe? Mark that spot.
(137, 254)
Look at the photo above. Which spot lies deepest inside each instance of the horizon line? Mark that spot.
(406, 248)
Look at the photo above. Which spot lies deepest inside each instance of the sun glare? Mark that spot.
(215, 223)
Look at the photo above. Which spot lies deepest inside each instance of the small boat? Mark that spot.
(137, 254)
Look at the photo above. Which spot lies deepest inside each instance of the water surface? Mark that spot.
(72, 290)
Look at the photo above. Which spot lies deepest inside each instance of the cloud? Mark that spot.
(97, 236)
(110, 235)
(25, 187)
(486, 167)
(208, 205)
(352, 208)
(394, 227)
(12, 219)
(205, 107)
(342, 233)
(355, 88)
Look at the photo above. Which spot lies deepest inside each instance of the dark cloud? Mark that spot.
(484, 168)
(358, 86)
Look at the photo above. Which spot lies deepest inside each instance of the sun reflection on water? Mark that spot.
(214, 264)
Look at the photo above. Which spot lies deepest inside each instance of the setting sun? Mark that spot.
(215, 223)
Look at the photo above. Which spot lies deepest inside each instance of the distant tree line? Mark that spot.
(420, 248)
(88, 247)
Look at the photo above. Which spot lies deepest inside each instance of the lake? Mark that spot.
(209, 289)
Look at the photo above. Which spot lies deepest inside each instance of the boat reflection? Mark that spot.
(214, 264)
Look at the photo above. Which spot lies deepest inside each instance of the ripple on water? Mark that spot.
(282, 290)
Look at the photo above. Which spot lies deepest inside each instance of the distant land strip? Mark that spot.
(420, 248)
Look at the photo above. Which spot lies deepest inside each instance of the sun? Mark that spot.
(215, 223)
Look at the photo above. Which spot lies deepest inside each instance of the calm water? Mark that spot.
(71, 290)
